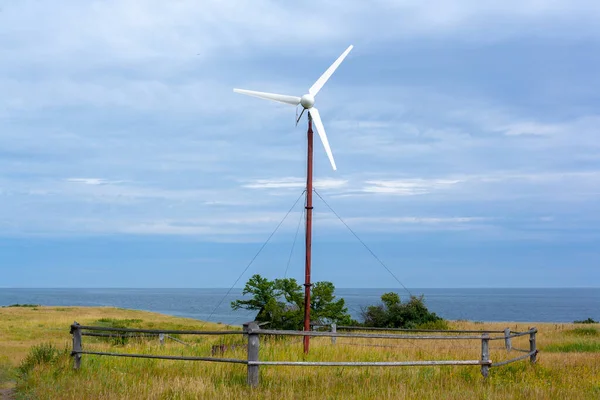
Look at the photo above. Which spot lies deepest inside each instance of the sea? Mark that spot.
(518, 305)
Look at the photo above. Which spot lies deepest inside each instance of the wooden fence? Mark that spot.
(253, 332)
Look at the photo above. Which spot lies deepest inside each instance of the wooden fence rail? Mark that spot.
(157, 331)
(369, 335)
(366, 328)
(252, 332)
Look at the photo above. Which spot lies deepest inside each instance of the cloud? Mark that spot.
(408, 187)
(347, 124)
(295, 183)
(92, 181)
(130, 29)
(434, 222)
(530, 128)
(422, 223)
(118, 116)
(540, 177)
(405, 222)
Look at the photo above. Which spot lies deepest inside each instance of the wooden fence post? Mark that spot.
(253, 346)
(485, 354)
(507, 341)
(245, 326)
(76, 331)
(333, 330)
(532, 346)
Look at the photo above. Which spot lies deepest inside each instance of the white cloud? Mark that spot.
(530, 128)
(101, 33)
(393, 223)
(92, 181)
(130, 30)
(420, 220)
(345, 124)
(295, 183)
(137, 94)
(539, 177)
(141, 93)
(407, 187)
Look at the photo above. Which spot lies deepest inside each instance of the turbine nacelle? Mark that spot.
(307, 101)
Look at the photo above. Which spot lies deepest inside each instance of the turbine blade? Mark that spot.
(314, 89)
(281, 98)
(314, 113)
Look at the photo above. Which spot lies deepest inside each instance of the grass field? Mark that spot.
(568, 364)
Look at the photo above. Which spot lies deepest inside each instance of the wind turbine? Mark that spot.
(307, 101)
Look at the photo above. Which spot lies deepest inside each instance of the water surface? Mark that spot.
(519, 305)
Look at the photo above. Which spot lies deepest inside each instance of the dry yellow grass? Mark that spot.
(565, 375)
(23, 327)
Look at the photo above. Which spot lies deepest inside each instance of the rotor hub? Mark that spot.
(307, 101)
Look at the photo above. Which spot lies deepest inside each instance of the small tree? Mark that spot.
(392, 313)
(281, 303)
(325, 308)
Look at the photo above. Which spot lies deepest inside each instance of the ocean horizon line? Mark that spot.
(337, 287)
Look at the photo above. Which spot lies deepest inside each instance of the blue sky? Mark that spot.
(465, 135)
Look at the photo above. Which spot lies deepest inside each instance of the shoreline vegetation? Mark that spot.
(35, 362)
(280, 304)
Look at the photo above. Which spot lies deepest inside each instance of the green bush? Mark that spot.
(393, 313)
(42, 354)
(586, 321)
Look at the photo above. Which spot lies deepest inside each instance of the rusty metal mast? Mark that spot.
(309, 208)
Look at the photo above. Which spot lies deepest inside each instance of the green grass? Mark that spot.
(437, 325)
(583, 332)
(573, 347)
(118, 323)
(6, 372)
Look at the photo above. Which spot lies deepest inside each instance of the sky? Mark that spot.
(465, 135)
